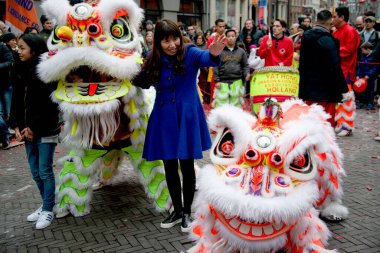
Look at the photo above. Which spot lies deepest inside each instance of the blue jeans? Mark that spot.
(5, 109)
(40, 159)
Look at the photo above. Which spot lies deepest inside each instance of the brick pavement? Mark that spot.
(122, 220)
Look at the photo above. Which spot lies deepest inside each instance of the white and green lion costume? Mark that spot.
(94, 52)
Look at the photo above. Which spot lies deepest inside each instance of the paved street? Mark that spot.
(122, 220)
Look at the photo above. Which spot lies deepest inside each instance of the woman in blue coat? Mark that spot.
(177, 128)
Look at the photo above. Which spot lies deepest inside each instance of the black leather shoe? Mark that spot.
(5, 145)
(186, 223)
(172, 219)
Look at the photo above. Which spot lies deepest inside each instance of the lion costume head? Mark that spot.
(94, 52)
(259, 194)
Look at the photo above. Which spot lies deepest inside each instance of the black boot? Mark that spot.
(172, 219)
(186, 223)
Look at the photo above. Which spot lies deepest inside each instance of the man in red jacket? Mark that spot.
(349, 43)
(277, 51)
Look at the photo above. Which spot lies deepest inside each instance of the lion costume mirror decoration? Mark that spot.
(269, 176)
(94, 52)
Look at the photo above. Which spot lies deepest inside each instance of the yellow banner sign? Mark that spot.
(276, 84)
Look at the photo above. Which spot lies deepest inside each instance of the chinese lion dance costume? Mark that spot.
(94, 52)
(269, 176)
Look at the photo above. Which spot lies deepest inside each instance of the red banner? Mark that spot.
(20, 14)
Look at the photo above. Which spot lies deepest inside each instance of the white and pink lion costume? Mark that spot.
(270, 176)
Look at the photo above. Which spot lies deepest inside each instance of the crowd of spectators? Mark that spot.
(287, 39)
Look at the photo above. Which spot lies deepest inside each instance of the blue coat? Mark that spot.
(177, 127)
(365, 68)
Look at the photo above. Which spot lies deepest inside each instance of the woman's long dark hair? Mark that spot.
(163, 30)
(36, 43)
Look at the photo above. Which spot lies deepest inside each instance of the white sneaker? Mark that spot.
(44, 220)
(344, 133)
(34, 216)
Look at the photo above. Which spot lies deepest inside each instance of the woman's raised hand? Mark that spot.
(217, 45)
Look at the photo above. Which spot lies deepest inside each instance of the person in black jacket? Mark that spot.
(251, 29)
(6, 63)
(321, 77)
(36, 122)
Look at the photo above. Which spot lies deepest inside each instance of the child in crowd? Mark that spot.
(368, 70)
(229, 76)
(177, 128)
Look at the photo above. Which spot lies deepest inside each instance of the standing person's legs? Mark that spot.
(32, 154)
(221, 95)
(237, 93)
(188, 175)
(46, 174)
(5, 107)
(8, 100)
(174, 185)
(46, 154)
(370, 93)
(360, 97)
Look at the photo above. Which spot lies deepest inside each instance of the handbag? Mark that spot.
(360, 85)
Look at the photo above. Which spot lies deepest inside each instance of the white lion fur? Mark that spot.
(345, 116)
(77, 183)
(348, 106)
(312, 228)
(228, 200)
(77, 160)
(56, 10)
(145, 181)
(59, 66)
(75, 197)
(321, 136)
(334, 208)
(96, 122)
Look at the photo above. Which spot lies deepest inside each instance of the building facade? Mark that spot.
(203, 13)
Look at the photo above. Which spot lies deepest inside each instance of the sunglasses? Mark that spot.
(368, 21)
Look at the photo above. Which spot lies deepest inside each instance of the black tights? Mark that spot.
(174, 183)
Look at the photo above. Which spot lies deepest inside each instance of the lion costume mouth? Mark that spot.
(84, 85)
(251, 231)
(250, 209)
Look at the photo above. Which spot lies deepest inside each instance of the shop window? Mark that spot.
(152, 9)
(190, 13)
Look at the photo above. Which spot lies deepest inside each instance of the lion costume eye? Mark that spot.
(301, 164)
(94, 30)
(120, 30)
(226, 144)
(302, 167)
